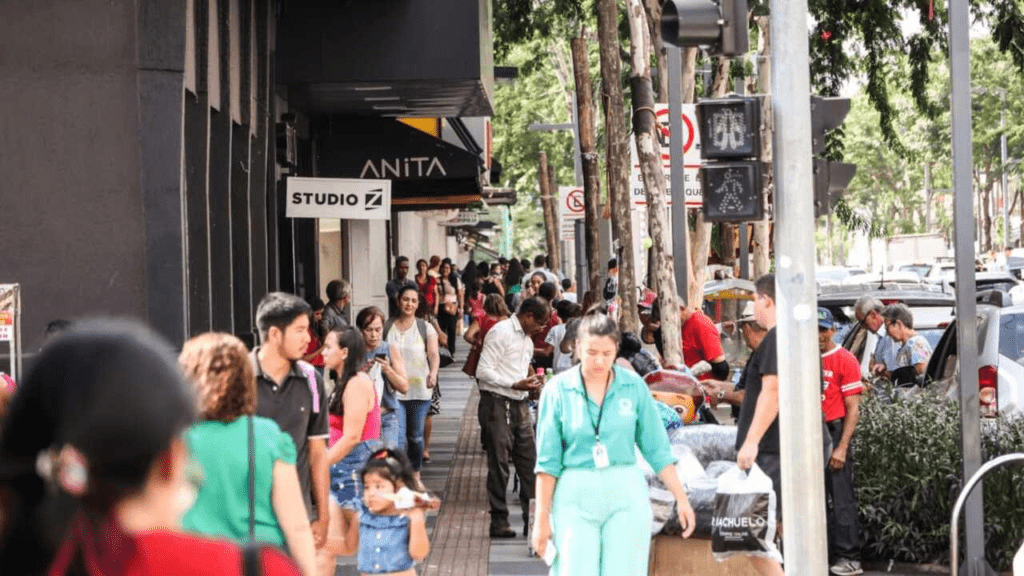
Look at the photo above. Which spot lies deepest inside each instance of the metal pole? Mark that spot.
(803, 463)
(744, 250)
(1002, 163)
(680, 226)
(963, 235)
(927, 197)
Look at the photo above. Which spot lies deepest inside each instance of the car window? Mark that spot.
(1011, 337)
(932, 335)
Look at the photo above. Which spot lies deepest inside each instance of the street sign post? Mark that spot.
(570, 210)
(690, 158)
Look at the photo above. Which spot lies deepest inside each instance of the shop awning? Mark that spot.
(425, 172)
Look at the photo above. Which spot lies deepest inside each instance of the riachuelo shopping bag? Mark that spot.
(744, 519)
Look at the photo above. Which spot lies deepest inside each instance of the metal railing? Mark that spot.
(954, 525)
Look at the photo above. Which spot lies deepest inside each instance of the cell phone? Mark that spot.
(381, 356)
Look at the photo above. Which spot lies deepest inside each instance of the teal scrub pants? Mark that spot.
(601, 522)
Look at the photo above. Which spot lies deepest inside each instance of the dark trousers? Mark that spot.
(841, 513)
(508, 435)
(448, 323)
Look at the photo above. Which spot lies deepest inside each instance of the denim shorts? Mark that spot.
(346, 486)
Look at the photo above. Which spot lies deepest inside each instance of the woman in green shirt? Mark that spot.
(592, 499)
(219, 367)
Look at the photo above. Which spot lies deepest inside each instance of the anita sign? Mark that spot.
(412, 167)
(341, 198)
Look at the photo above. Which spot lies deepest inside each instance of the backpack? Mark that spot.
(421, 325)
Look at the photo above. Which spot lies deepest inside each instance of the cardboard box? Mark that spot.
(672, 555)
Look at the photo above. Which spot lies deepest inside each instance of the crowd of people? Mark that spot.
(315, 439)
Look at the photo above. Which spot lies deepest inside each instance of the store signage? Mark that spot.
(342, 198)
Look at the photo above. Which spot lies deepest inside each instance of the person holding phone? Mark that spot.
(503, 374)
(386, 369)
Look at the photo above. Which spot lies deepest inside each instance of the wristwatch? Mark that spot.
(720, 395)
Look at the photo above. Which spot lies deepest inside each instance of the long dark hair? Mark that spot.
(112, 392)
(515, 273)
(350, 338)
(471, 278)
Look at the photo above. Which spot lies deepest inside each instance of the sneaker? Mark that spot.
(846, 568)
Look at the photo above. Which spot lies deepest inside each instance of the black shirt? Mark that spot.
(391, 289)
(762, 362)
(290, 405)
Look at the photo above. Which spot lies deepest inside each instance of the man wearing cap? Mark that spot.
(840, 402)
(720, 391)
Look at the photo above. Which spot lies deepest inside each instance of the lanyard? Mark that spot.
(600, 412)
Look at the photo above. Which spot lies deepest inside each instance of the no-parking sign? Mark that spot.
(690, 160)
(570, 209)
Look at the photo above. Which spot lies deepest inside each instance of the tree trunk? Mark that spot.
(762, 236)
(550, 222)
(618, 158)
(653, 12)
(689, 75)
(649, 153)
(555, 253)
(588, 150)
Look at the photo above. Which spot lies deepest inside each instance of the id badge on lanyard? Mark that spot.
(600, 455)
(599, 452)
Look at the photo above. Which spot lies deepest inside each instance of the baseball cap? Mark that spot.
(825, 319)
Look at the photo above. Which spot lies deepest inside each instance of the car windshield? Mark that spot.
(919, 269)
(1011, 337)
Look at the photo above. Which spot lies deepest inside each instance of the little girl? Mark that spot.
(388, 526)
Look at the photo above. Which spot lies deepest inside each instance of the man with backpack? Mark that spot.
(291, 393)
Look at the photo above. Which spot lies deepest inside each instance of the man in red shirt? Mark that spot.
(840, 402)
(701, 341)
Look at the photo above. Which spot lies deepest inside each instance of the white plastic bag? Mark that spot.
(744, 519)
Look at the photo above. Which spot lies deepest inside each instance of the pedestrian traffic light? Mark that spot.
(721, 25)
(730, 172)
(831, 179)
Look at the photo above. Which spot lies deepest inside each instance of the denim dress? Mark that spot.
(346, 485)
(383, 542)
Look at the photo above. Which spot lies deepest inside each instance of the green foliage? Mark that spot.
(909, 475)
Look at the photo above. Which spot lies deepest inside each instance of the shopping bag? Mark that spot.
(744, 519)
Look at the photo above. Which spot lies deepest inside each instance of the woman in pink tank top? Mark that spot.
(354, 416)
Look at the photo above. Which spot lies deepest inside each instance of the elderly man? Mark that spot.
(504, 380)
(720, 391)
(879, 346)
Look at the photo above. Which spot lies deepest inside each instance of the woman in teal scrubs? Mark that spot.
(592, 499)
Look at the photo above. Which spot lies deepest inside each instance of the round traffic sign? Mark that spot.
(687, 128)
(574, 201)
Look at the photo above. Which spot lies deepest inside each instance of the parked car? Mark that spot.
(1002, 281)
(921, 269)
(1000, 359)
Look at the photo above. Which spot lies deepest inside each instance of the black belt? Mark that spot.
(500, 396)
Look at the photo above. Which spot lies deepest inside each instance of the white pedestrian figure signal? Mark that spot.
(730, 192)
(727, 129)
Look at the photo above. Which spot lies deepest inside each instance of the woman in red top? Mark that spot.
(354, 414)
(314, 352)
(80, 499)
(427, 285)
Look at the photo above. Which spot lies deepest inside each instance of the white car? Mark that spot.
(1000, 360)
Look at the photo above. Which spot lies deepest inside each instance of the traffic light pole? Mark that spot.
(974, 563)
(803, 464)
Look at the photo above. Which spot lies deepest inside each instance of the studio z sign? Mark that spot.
(341, 198)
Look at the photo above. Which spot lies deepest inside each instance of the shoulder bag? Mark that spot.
(251, 548)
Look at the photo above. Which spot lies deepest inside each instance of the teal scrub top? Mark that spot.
(565, 427)
(222, 451)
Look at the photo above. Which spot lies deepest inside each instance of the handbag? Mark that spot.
(446, 356)
(472, 360)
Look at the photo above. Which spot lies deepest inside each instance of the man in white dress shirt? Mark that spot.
(503, 374)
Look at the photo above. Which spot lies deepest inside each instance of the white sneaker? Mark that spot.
(846, 568)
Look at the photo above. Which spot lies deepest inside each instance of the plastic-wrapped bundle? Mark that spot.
(663, 503)
(701, 493)
(708, 442)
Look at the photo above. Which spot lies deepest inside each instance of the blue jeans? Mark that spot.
(415, 421)
(392, 428)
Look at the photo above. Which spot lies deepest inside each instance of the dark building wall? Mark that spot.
(72, 231)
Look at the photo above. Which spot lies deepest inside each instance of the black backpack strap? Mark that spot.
(387, 328)
(252, 479)
(421, 325)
